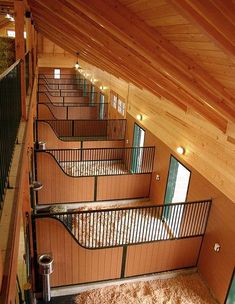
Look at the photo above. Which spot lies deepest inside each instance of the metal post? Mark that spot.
(45, 262)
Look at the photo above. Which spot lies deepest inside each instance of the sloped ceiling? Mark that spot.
(181, 50)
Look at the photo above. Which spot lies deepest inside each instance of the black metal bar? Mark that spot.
(124, 253)
(113, 231)
(95, 188)
(97, 161)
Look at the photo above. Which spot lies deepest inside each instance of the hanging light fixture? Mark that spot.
(77, 66)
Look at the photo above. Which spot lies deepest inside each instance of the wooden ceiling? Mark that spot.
(181, 50)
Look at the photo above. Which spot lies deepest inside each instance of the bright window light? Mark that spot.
(12, 34)
(56, 73)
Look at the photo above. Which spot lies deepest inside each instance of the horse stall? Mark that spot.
(90, 134)
(106, 244)
(97, 174)
(87, 111)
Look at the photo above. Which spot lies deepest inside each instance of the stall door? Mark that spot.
(176, 192)
(101, 112)
(138, 144)
(231, 292)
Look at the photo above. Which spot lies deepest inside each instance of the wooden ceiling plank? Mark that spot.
(215, 119)
(135, 33)
(153, 88)
(211, 20)
(98, 61)
(162, 86)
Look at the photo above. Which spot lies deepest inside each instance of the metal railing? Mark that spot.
(67, 79)
(104, 161)
(66, 92)
(45, 97)
(106, 129)
(10, 115)
(85, 111)
(95, 229)
(53, 85)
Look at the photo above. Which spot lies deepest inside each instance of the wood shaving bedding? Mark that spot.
(91, 168)
(184, 289)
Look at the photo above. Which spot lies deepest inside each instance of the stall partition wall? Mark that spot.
(46, 134)
(59, 187)
(76, 265)
(63, 133)
(51, 111)
(118, 254)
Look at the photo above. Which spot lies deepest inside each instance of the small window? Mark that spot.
(121, 107)
(56, 73)
(12, 34)
(114, 101)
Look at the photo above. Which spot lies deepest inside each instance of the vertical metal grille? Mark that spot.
(10, 115)
(104, 161)
(96, 229)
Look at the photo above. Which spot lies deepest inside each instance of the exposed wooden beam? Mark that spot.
(214, 17)
(166, 89)
(135, 77)
(214, 117)
(161, 53)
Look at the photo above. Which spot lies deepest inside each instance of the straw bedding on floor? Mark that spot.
(184, 289)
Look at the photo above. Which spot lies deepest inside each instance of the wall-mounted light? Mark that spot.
(217, 247)
(93, 80)
(180, 150)
(103, 88)
(77, 65)
(139, 117)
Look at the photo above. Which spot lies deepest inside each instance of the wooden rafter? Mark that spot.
(214, 17)
(160, 52)
(116, 51)
(144, 80)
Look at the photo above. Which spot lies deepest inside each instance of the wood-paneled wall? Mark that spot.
(59, 187)
(157, 257)
(103, 144)
(216, 268)
(49, 111)
(47, 135)
(208, 150)
(72, 263)
(123, 186)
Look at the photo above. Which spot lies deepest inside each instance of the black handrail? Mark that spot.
(66, 92)
(104, 161)
(10, 115)
(67, 111)
(113, 227)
